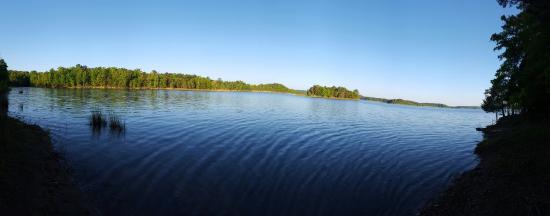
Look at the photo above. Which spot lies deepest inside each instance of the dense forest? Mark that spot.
(522, 83)
(111, 77)
(332, 92)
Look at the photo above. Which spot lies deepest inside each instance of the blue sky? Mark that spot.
(424, 50)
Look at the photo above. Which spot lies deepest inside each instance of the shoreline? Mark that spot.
(34, 179)
(199, 90)
(417, 104)
(512, 177)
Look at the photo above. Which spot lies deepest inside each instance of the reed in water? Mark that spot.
(116, 124)
(97, 120)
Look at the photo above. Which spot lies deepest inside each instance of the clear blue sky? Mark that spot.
(424, 50)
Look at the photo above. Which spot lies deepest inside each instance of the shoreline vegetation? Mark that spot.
(34, 180)
(512, 177)
(333, 92)
(121, 78)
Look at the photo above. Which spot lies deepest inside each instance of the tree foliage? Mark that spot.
(332, 92)
(19, 78)
(4, 88)
(522, 83)
(111, 77)
(4, 79)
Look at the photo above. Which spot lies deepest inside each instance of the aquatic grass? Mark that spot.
(97, 120)
(116, 124)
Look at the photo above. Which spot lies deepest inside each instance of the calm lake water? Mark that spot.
(229, 153)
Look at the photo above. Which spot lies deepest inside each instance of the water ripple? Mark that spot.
(227, 153)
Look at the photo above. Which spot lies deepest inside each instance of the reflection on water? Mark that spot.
(254, 153)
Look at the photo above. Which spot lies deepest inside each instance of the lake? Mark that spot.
(238, 153)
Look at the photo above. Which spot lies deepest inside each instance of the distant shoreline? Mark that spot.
(198, 90)
(121, 78)
(381, 100)
(414, 103)
(179, 89)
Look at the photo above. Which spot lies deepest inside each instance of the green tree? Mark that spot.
(4, 76)
(332, 92)
(522, 83)
(4, 79)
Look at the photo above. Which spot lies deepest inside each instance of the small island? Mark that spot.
(333, 92)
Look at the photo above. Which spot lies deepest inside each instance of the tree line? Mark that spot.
(522, 83)
(332, 92)
(80, 76)
(112, 77)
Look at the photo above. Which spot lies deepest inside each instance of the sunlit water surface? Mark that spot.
(228, 153)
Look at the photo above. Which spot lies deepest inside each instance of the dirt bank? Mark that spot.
(33, 179)
(513, 177)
